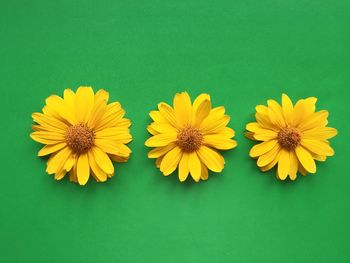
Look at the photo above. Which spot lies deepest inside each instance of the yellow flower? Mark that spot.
(292, 137)
(187, 136)
(82, 134)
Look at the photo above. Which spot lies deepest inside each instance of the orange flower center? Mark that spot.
(189, 139)
(289, 138)
(80, 138)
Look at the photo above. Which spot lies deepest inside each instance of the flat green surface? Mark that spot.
(143, 52)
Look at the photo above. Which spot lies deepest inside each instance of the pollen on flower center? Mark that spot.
(289, 138)
(80, 138)
(189, 139)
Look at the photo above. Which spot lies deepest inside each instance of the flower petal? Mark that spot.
(48, 149)
(102, 160)
(219, 142)
(168, 113)
(275, 113)
(305, 159)
(293, 167)
(84, 102)
(318, 119)
(269, 156)
(204, 173)
(57, 160)
(321, 133)
(170, 161)
(201, 112)
(62, 110)
(99, 173)
(184, 167)
(195, 166)
(283, 164)
(83, 169)
(183, 108)
(161, 140)
(318, 147)
(287, 108)
(262, 148)
(212, 159)
(160, 151)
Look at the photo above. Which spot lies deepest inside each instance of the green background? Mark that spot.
(143, 52)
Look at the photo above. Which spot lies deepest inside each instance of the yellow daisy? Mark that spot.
(187, 136)
(292, 137)
(82, 134)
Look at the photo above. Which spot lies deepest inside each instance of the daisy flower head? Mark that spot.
(83, 134)
(290, 136)
(188, 136)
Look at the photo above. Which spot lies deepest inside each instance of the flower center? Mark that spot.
(80, 138)
(289, 138)
(189, 139)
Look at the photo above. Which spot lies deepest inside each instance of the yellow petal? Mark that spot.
(320, 133)
(112, 115)
(252, 126)
(212, 159)
(215, 121)
(48, 135)
(84, 102)
(195, 166)
(305, 159)
(99, 173)
(162, 127)
(48, 129)
(318, 119)
(269, 156)
(283, 164)
(183, 108)
(262, 148)
(263, 119)
(151, 130)
(201, 112)
(170, 161)
(161, 140)
(198, 101)
(83, 169)
(219, 142)
(265, 134)
(112, 147)
(287, 108)
(250, 135)
(58, 105)
(168, 114)
(204, 173)
(115, 134)
(39, 138)
(57, 160)
(184, 167)
(293, 167)
(318, 147)
(73, 172)
(272, 163)
(60, 174)
(160, 151)
(157, 116)
(49, 121)
(69, 99)
(99, 108)
(226, 132)
(102, 160)
(302, 110)
(275, 113)
(70, 162)
(48, 149)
